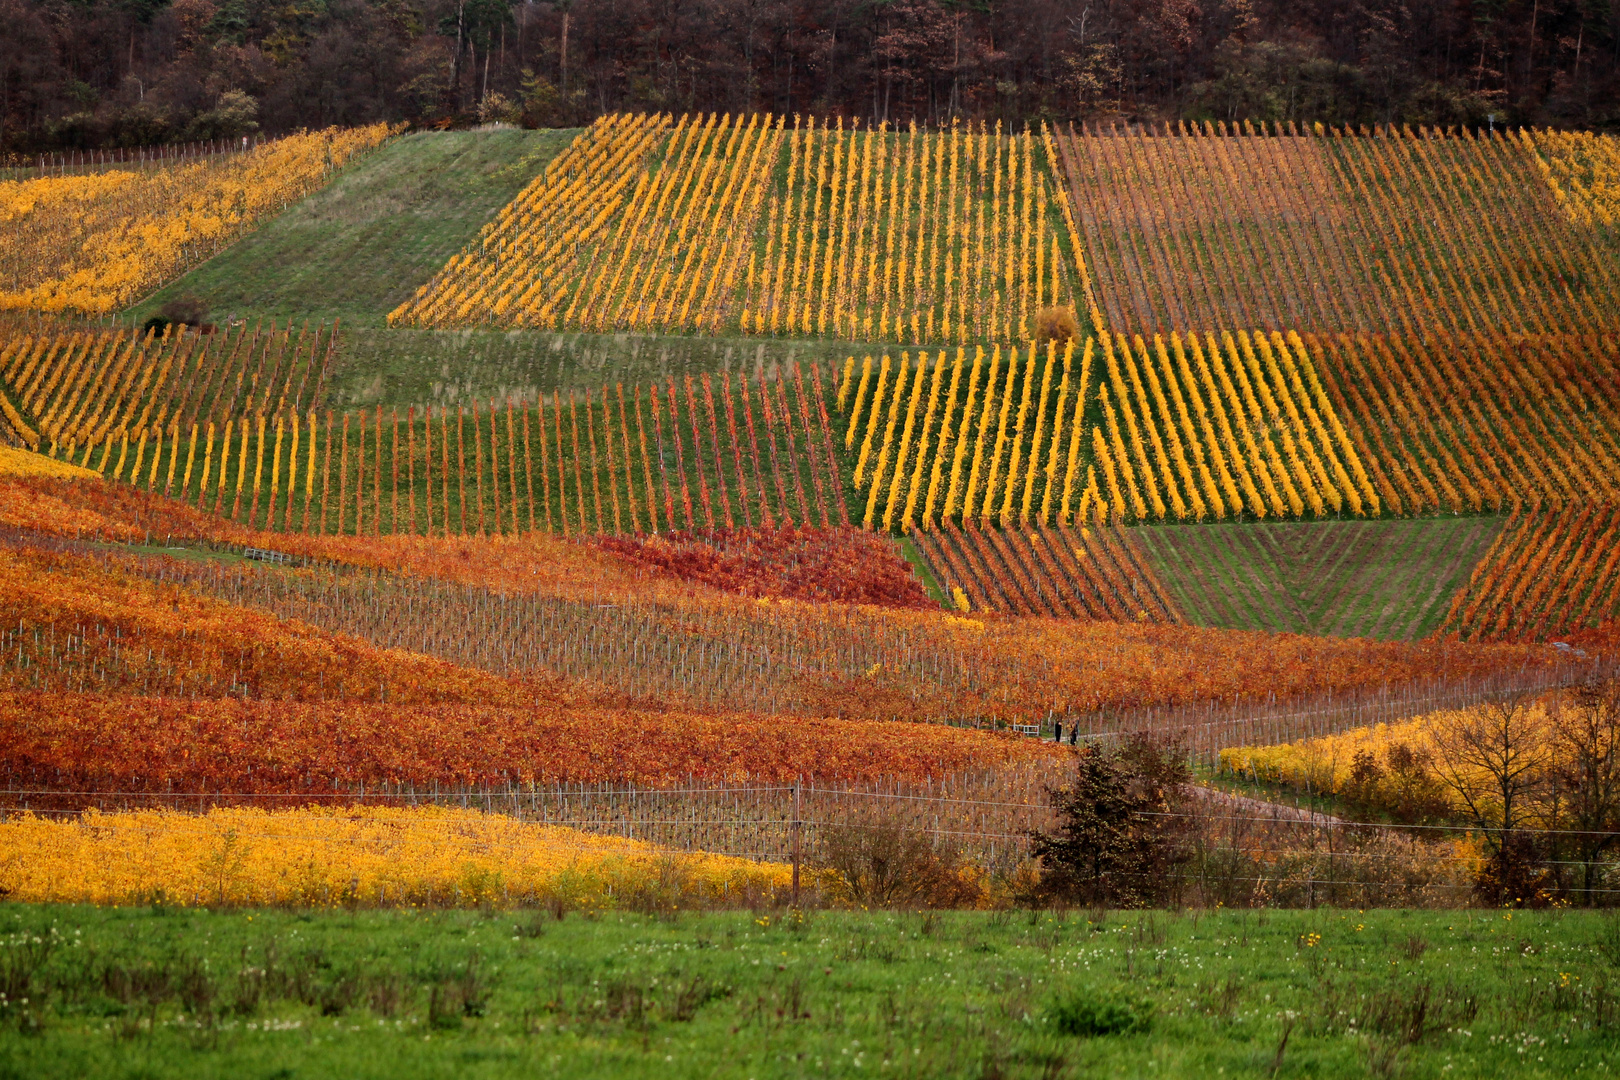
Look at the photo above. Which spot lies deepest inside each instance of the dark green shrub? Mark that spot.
(1121, 837)
(1102, 1012)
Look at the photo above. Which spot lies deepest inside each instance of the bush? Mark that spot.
(1056, 324)
(884, 864)
(846, 565)
(187, 310)
(1109, 1012)
(1403, 786)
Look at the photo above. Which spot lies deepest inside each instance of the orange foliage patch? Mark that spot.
(29, 503)
(534, 562)
(1603, 638)
(934, 664)
(81, 742)
(137, 633)
(102, 510)
(1099, 665)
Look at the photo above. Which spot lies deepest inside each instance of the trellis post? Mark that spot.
(798, 806)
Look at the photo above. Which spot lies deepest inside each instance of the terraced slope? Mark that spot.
(1379, 579)
(364, 243)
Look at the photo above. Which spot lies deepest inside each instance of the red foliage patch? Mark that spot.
(847, 565)
(1603, 638)
(117, 743)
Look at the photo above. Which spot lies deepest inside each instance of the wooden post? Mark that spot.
(410, 467)
(798, 806)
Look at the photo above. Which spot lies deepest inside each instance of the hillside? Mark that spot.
(645, 326)
(907, 573)
(355, 248)
(604, 573)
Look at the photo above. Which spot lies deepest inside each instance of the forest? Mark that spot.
(98, 74)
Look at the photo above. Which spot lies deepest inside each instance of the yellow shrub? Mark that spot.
(1056, 324)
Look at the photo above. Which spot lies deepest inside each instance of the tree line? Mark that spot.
(98, 73)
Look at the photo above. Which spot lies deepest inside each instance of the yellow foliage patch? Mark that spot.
(369, 856)
(26, 463)
(1327, 764)
(1583, 171)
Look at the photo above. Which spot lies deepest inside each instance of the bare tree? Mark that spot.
(1495, 758)
(1586, 747)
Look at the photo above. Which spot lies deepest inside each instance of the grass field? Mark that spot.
(362, 244)
(172, 992)
(456, 367)
(1380, 579)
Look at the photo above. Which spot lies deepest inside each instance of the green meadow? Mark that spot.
(166, 992)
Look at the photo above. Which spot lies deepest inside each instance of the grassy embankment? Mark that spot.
(1326, 993)
(1379, 579)
(455, 367)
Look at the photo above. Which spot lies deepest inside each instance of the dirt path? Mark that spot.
(1225, 801)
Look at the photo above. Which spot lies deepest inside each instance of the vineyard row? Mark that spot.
(732, 223)
(74, 395)
(78, 162)
(1088, 573)
(1401, 232)
(704, 455)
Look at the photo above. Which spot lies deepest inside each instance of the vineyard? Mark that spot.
(307, 858)
(1298, 326)
(614, 629)
(1466, 424)
(1124, 433)
(1013, 470)
(1389, 232)
(1243, 428)
(742, 223)
(226, 423)
(1412, 771)
(1550, 572)
(961, 235)
(1377, 579)
(79, 396)
(93, 243)
(688, 489)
